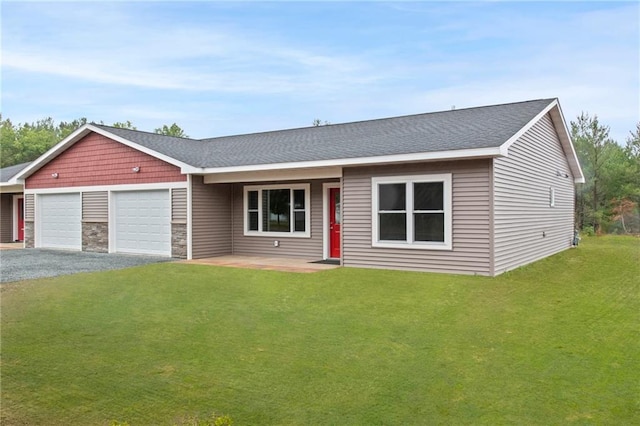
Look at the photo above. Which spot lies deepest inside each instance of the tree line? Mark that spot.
(608, 200)
(23, 142)
(606, 203)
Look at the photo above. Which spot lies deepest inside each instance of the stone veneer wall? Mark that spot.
(95, 237)
(179, 240)
(29, 237)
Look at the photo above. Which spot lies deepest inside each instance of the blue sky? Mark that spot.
(220, 68)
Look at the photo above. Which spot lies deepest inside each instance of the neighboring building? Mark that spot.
(11, 204)
(476, 191)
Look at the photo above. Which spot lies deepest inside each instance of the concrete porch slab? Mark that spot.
(11, 246)
(265, 263)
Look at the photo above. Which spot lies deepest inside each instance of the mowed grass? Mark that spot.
(556, 342)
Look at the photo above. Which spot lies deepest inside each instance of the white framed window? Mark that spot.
(412, 212)
(277, 210)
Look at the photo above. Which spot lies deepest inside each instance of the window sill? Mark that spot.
(277, 234)
(413, 246)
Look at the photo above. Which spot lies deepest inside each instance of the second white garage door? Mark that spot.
(143, 222)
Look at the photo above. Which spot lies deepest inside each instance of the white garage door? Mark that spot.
(60, 221)
(143, 222)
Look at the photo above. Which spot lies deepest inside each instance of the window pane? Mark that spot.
(393, 226)
(428, 196)
(429, 227)
(252, 200)
(276, 205)
(298, 199)
(391, 196)
(253, 221)
(299, 224)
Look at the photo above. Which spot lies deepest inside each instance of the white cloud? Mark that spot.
(385, 59)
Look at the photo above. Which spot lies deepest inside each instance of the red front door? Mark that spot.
(335, 220)
(20, 219)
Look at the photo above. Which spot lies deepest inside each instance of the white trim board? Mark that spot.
(275, 175)
(14, 214)
(325, 218)
(363, 161)
(123, 187)
(7, 188)
(189, 217)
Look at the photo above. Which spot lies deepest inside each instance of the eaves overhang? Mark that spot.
(462, 154)
(9, 187)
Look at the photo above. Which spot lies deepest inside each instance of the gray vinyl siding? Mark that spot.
(210, 219)
(95, 206)
(470, 253)
(179, 205)
(306, 248)
(29, 207)
(526, 227)
(6, 218)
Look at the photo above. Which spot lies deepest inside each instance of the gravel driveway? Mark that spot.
(17, 265)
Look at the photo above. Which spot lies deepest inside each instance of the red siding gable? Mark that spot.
(98, 160)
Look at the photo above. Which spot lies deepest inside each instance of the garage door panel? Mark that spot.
(60, 220)
(143, 222)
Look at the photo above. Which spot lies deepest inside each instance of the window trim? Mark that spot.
(291, 234)
(552, 196)
(409, 211)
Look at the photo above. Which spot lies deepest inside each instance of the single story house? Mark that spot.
(11, 204)
(471, 191)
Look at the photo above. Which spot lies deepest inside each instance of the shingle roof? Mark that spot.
(8, 172)
(469, 128)
(188, 151)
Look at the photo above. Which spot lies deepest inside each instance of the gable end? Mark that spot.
(98, 160)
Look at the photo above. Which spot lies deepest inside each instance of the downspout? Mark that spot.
(492, 222)
(189, 216)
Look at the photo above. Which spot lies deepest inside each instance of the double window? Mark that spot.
(412, 212)
(277, 210)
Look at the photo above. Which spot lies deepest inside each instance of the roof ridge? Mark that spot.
(375, 119)
(142, 131)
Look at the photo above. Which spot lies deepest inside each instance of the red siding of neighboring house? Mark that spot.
(98, 160)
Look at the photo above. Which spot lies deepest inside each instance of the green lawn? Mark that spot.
(557, 342)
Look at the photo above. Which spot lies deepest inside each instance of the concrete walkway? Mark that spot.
(11, 246)
(265, 263)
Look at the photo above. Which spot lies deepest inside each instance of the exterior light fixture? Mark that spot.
(54, 175)
(136, 169)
